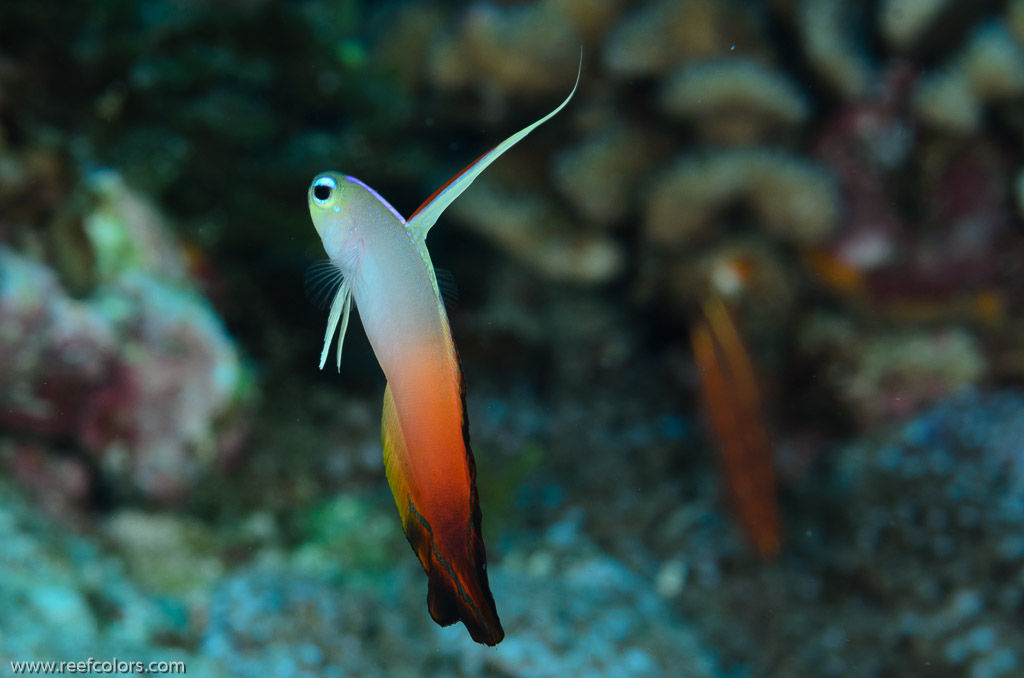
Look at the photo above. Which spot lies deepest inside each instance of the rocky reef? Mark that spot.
(134, 375)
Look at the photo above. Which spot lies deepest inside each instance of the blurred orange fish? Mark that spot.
(731, 400)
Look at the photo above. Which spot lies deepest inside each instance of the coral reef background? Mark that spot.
(741, 328)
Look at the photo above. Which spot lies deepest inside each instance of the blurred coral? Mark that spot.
(531, 228)
(879, 376)
(901, 22)
(61, 484)
(1015, 18)
(833, 45)
(863, 143)
(661, 33)
(136, 376)
(989, 68)
(600, 175)
(543, 36)
(733, 101)
(127, 232)
(792, 199)
(827, 170)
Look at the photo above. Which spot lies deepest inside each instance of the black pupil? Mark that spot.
(321, 192)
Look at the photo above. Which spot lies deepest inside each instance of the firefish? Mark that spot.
(384, 267)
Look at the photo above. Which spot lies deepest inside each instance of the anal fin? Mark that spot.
(458, 589)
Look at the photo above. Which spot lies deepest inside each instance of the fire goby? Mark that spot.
(385, 269)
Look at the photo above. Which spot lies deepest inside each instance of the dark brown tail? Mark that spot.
(458, 589)
(453, 596)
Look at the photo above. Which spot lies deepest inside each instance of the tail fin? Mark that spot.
(457, 585)
(460, 591)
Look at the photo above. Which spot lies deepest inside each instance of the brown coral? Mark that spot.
(733, 101)
(825, 28)
(989, 68)
(527, 50)
(903, 21)
(600, 175)
(661, 33)
(535, 231)
(792, 199)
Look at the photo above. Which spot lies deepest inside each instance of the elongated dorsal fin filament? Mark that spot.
(420, 222)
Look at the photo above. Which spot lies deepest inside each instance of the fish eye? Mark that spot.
(322, 190)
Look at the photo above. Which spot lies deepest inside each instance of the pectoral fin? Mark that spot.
(341, 309)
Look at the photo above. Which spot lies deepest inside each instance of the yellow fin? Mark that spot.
(397, 466)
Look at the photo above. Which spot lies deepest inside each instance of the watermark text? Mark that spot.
(99, 666)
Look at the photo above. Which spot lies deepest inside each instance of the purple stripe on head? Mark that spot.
(375, 194)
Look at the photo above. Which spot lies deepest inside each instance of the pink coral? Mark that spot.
(862, 143)
(135, 376)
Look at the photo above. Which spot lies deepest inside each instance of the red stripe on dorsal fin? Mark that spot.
(423, 219)
(446, 185)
